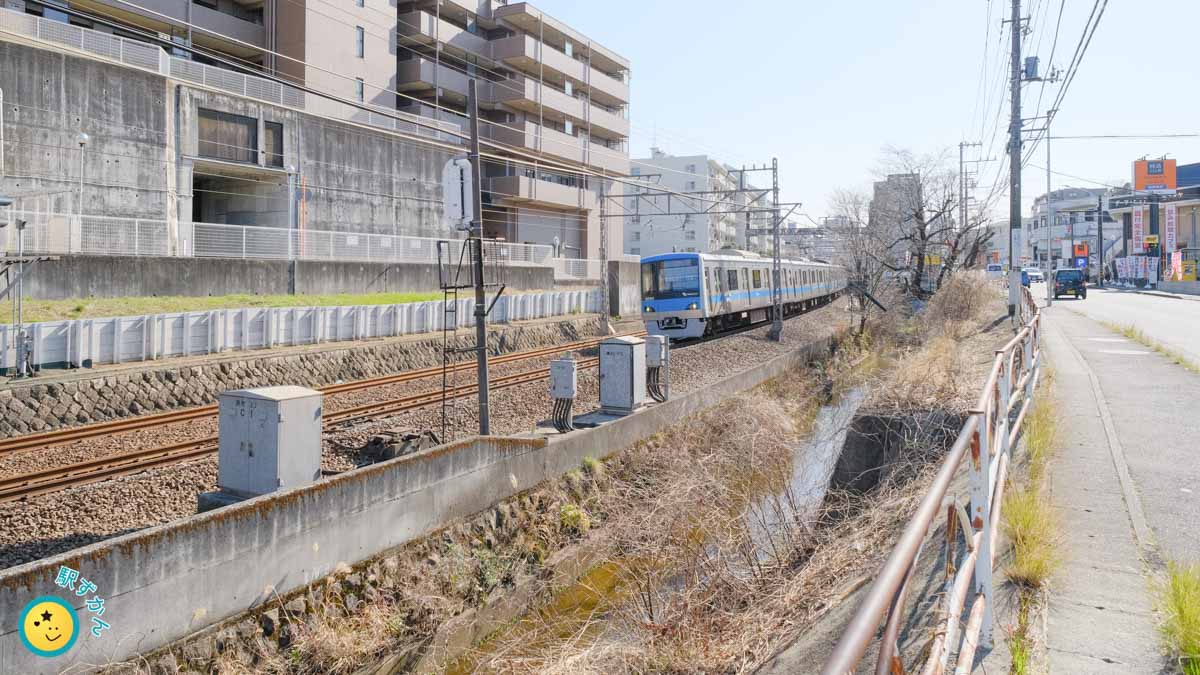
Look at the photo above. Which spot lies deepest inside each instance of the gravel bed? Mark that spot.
(79, 516)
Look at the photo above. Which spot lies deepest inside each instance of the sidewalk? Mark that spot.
(1121, 477)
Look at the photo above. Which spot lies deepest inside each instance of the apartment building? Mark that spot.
(1074, 222)
(547, 91)
(646, 232)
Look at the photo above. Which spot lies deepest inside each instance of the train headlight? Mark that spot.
(649, 309)
(693, 306)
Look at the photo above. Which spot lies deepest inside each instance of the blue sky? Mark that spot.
(825, 85)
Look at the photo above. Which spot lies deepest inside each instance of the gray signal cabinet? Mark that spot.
(622, 374)
(269, 439)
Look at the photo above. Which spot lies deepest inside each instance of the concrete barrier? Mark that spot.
(164, 583)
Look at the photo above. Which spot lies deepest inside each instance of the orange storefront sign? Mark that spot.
(1154, 175)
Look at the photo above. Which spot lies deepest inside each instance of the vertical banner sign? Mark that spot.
(1171, 228)
(1137, 229)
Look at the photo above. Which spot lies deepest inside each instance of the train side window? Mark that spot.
(757, 278)
(731, 275)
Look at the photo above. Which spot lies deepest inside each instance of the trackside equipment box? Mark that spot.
(270, 439)
(622, 374)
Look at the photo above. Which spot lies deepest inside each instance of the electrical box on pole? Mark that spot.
(458, 189)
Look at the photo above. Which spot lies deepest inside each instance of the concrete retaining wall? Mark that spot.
(1187, 287)
(85, 276)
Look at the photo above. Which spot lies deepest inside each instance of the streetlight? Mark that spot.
(82, 139)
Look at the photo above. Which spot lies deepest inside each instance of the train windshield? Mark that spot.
(671, 279)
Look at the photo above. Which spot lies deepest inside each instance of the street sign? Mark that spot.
(1081, 263)
(458, 193)
(1150, 239)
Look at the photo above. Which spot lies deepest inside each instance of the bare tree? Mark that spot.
(915, 213)
(861, 250)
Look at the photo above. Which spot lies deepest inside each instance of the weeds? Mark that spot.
(1179, 606)
(1031, 525)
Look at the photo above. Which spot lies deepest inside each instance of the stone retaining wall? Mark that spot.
(40, 406)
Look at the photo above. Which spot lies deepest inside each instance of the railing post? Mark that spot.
(243, 242)
(1029, 346)
(1001, 419)
(981, 516)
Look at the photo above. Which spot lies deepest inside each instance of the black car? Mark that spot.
(1070, 282)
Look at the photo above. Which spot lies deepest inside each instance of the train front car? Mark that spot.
(672, 296)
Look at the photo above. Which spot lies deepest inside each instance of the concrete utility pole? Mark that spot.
(1100, 241)
(776, 332)
(481, 358)
(605, 306)
(1049, 218)
(1014, 165)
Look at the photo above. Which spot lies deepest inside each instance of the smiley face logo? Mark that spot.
(48, 626)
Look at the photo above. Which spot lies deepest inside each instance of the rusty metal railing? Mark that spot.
(985, 443)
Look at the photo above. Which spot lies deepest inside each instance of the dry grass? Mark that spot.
(1179, 607)
(1033, 529)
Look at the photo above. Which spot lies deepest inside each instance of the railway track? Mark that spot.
(60, 436)
(53, 479)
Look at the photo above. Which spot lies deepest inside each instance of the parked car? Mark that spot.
(1070, 281)
(1035, 275)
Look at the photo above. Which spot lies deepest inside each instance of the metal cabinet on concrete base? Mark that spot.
(270, 439)
(622, 374)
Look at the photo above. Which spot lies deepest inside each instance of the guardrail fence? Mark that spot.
(88, 342)
(985, 443)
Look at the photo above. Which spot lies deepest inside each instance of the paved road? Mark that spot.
(1173, 322)
(1124, 477)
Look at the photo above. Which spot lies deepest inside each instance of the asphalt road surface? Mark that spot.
(1170, 321)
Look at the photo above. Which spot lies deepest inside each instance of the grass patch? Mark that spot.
(1032, 527)
(1134, 333)
(1179, 606)
(91, 308)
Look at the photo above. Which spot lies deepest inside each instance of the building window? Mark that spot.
(358, 3)
(636, 236)
(691, 185)
(359, 47)
(273, 143)
(691, 168)
(689, 235)
(636, 220)
(569, 128)
(223, 135)
(637, 171)
(211, 4)
(358, 89)
(635, 251)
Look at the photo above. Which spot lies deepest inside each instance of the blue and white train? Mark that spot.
(690, 295)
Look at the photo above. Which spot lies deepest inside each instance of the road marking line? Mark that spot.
(1137, 515)
(1108, 340)
(1123, 352)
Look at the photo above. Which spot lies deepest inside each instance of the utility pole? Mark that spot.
(776, 332)
(481, 357)
(1049, 216)
(605, 305)
(962, 181)
(1100, 241)
(1014, 168)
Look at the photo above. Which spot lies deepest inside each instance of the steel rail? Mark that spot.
(81, 473)
(111, 427)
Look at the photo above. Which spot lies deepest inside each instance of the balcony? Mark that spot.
(525, 94)
(417, 73)
(522, 52)
(528, 135)
(522, 189)
(609, 159)
(608, 123)
(423, 27)
(535, 22)
(608, 89)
